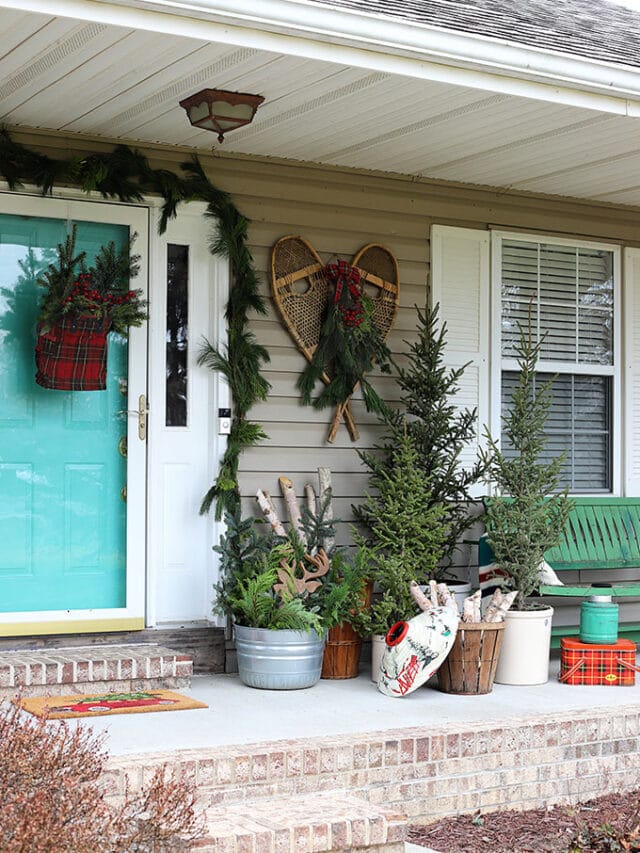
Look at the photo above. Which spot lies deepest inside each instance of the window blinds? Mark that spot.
(569, 292)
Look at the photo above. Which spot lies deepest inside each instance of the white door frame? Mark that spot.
(132, 616)
(184, 461)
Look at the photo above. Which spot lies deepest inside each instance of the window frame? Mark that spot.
(500, 364)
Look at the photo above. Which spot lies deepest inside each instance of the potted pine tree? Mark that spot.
(526, 518)
(407, 532)
(439, 431)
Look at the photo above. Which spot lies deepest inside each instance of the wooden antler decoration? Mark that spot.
(297, 578)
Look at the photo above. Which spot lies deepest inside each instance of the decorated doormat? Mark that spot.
(81, 705)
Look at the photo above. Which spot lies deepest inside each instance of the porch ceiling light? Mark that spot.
(220, 111)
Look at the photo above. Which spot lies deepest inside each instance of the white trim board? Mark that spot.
(365, 41)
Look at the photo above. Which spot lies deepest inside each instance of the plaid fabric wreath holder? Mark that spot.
(72, 354)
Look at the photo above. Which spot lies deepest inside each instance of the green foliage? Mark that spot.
(439, 430)
(342, 596)
(607, 838)
(101, 291)
(248, 571)
(125, 174)
(533, 517)
(255, 605)
(345, 353)
(408, 531)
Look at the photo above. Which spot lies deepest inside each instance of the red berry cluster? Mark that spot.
(354, 315)
(82, 290)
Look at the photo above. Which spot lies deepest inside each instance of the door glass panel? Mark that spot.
(62, 454)
(177, 349)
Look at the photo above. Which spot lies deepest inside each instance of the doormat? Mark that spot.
(107, 704)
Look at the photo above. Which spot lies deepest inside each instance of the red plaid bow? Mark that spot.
(342, 273)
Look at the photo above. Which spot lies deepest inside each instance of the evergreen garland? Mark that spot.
(125, 174)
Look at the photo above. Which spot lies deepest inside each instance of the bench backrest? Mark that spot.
(602, 533)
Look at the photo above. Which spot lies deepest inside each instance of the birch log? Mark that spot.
(419, 597)
(264, 502)
(497, 613)
(290, 499)
(471, 608)
(270, 500)
(433, 592)
(326, 503)
(446, 598)
(310, 500)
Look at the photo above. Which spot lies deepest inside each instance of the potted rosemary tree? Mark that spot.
(283, 594)
(527, 517)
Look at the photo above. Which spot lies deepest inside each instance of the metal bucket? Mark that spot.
(278, 660)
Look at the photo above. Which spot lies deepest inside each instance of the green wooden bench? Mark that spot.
(602, 537)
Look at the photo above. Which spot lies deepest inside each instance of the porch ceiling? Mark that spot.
(97, 78)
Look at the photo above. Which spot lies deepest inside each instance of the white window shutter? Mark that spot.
(632, 372)
(461, 285)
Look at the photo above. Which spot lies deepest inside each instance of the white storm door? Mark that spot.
(188, 297)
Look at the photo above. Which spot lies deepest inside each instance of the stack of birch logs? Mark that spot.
(313, 503)
(471, 664)
(441, 596)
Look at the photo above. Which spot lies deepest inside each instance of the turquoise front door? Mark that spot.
(63, 472)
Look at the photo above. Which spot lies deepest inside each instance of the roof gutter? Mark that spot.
(303, 28)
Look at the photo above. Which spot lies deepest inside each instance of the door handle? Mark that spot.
(141, 413)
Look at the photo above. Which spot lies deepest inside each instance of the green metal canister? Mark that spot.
(599, 620)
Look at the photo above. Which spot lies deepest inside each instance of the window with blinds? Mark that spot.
(568, 292)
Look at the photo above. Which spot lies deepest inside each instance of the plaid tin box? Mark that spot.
(595, 663)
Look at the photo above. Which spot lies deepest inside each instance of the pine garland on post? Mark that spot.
(125, 174)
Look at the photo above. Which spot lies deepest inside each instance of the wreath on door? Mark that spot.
(79, 309)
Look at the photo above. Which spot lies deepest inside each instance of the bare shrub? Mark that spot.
(52, 800)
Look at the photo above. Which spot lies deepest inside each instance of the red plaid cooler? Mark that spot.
(72, 355)
(596, 663)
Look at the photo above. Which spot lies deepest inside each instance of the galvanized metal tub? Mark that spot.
(278, 660)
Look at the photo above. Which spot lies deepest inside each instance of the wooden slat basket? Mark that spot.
(470, 667)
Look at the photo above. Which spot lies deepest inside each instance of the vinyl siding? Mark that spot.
(338, 211)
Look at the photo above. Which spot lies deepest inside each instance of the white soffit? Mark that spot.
(83, 75)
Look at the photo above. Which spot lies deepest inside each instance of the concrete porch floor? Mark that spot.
(239, 715)
(347, 768)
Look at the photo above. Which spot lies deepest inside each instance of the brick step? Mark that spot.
(331, 822)
(92, 669)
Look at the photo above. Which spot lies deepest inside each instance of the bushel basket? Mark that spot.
(72, 355)
(342, 652)
(471, 664)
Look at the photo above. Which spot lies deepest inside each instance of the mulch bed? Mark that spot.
(540, 830)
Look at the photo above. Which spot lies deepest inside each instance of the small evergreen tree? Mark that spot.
(533, 517)
(408, 530)
(439, 431)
